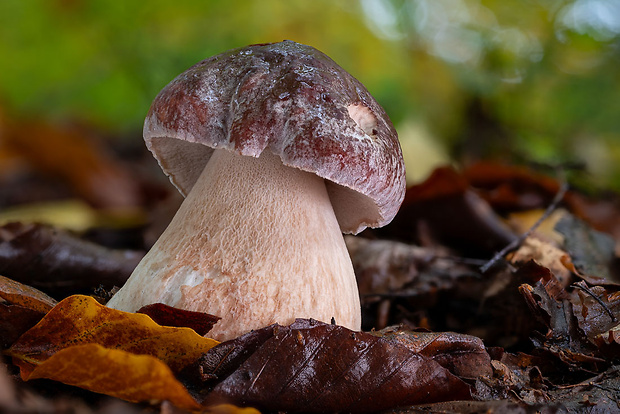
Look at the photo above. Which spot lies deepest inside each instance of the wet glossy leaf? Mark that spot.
(315, 367)
(114, 372)
(80, 320)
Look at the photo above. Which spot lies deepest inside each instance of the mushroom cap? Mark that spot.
(294, 101)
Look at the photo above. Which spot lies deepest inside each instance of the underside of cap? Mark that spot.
(295, 102)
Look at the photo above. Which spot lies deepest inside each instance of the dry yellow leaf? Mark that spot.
(80, 320)
(23, 295)
(117, 373)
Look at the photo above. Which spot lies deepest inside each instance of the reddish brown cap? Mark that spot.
(294, 101)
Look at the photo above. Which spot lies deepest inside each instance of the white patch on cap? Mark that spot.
(364, 118)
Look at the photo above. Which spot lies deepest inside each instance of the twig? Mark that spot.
(582, 286)
(519, 240)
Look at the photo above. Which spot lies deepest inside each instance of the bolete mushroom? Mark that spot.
(278, 150)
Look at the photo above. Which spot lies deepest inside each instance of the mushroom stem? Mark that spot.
(255, 242)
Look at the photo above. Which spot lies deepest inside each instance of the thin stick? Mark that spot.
(519, 240)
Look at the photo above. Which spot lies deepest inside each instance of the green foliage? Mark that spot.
(529, 80)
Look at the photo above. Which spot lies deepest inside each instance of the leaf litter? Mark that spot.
(538, 332)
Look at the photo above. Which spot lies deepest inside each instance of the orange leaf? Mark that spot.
(117, 373)
(23, 295)
(79, 320)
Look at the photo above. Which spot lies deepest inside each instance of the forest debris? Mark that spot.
(452, 213)
(545, 254)
(384, 266)
(510, 188)
(114, 372)
(315, 367)
(60, 263)
(19, 294)
(519, 240)
(566, 317)
(592, 252)
(168, 316)
(390, 273)
(463, 355)
(598, 315)
(80, 320)
(21, 307)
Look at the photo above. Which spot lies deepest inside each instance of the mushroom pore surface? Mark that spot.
(255, 242)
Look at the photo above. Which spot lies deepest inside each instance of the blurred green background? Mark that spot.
(514, 80)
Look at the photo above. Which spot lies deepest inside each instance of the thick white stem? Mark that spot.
(255, 243)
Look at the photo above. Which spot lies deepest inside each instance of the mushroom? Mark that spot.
(277, 150)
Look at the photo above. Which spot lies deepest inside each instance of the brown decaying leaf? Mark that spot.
(575, 320)
(392, 276)
(60, 263)
(387, 266)
(592, 252)
(21, 307)
(452, 212)
(511, 188)
(19, 294)
(80, 320)
(598, 314)
(546, 254)
(114, 372)
(310, 366)
(14, 321)
(463, 355)
(168, 316)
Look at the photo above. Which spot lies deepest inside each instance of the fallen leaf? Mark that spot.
(546, 254)
(14, 321)
(310, 366)
(463, 355)
(597, 310)
(21, 307)
(551, 304)
(166, 315)
(523, 221)
(592, 252)
(60, 263)
(19, 294)
(452, 213)
(387, 266)
(511, 188)
(79, 320)
(121, 374)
